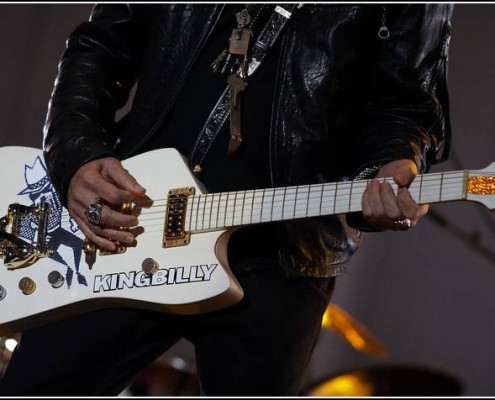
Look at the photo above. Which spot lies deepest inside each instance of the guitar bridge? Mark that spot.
(174, 232)
(14, 249)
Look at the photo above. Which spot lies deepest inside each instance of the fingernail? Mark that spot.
(129, 238)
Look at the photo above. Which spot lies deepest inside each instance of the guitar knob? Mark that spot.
(56, 279)
(89, 247)
(27, 285)
(149, 266)
(3, 292)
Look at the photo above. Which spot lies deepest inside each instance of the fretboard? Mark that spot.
(215, 211)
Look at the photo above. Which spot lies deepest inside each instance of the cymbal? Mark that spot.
(388, 380)
(167, 376)
(355, 333)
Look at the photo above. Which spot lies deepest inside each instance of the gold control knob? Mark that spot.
(27, 285)
(89, 247)
(149, 266)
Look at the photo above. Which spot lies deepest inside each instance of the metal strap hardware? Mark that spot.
(266, 39)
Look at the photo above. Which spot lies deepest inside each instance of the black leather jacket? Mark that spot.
(345, 99)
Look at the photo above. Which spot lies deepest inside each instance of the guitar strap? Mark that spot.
(266, 39)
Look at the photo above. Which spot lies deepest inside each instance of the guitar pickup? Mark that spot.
(175, 218)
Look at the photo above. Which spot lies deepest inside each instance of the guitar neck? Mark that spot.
(215, 211)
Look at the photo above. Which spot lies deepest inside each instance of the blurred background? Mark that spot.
(416, 309)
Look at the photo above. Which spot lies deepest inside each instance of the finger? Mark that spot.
(122, 178)
(371, 202)
(373, 207)
(106, 179)
(405, 174)
(409, 207)
(403, 171)
(115, 235)
(95, 233)
(380, 202)
(114, 218)
(90, 232)
(392, 210)
(107, 191)
(112, 227)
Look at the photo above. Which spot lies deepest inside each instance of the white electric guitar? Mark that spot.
(179, 262)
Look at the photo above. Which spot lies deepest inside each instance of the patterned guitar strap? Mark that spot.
(229, 101)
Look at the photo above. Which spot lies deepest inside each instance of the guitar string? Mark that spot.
(345, 187)
(339, 198)
(260, 206)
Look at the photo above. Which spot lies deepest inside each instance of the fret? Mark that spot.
(455, 182)
(431, 190)
(295, 203)
(204, 211)
(211, 210)
(420, 194)
(226, 208)
(441, 187)
(350, 196)
(190, 207)
(239, 207)
(321, 199)
(358, 188)
(335, 198)
(234, 209)
(242, 209)
(341, 202)
(290, 196)
(257, 206)
(266, 204)
(278, 204)
(261, 205)
(328, 200)
(197, 211)
(217, 210)
(251, 207)
(307, 200)
(300, 206)
(314, 200)
(283, 203)
(273, 203)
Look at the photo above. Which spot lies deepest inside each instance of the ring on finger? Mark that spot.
(93, 213)
(402, 224)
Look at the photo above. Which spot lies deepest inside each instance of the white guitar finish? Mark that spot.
(193, 276)
(191, 279)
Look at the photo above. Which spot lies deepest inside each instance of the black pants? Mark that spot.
(259, 346)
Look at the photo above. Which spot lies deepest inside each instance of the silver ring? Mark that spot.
(402, 224)
(93, 213)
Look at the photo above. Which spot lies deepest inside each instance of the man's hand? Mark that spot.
(381, 207)
(105, 181)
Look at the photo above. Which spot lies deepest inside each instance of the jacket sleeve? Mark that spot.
(407, 114)
(95, 75)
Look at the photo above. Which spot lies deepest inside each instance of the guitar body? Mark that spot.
(187, 279)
